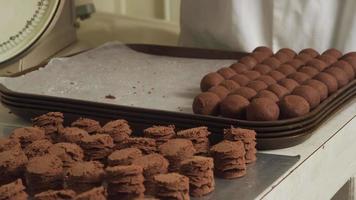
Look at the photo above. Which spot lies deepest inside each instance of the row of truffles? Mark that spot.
(263, 86)
(90, 161)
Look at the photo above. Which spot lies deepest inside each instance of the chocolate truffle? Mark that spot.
(160, 133)
(230, 84)
(328, 80)
(246, 92)
(312, 52)
(146, 145)
(339, 74)
(241, 79)
(38, 148)
(310, 71)
(276, 75)
(9, 144)
(55, 195)
(226, 72)
(220, 90)
(252, 75)
(320, 87)
(172, 186)
(279, 90)
(210, 80)
(69, 153)
(303, 57)
(97, 147)
(351, 61)
(264, 49)
(198, 136)
(27, 135)
(310, 94)
(346, 67)
(286, 69)
(206, 103)
(259, 56)
(282, 57)
(349, 55)
(293, 106)
(239, 67)
(272, 62)
(118, 129)
(289, 52)
(268, 94)
(257, 85)
(262, 69)
(249, 61)
(51, 122)
(89, 125)
(317, 64)
(72, 135)
(234, 106)
(300, 77)
(13, 191)
(12, 165)
(333, 52)
(262, 109)
(288, 83)
(327, 59)
(124, 156)
(98, 193)
(296, 63)
(267, 79)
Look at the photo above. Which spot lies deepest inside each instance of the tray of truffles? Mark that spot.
(283, 96)
(85, 160)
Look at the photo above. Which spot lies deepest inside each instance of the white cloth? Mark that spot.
(243, 25)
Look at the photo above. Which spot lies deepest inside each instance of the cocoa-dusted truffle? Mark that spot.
(351, 61)
(308, 93)
(252, 75)
(210, 80)
(206, 103)
(300, 77)
(296, 63)
(327, 59)
(264, 49)
(272, 62)
(259, 56)
(339, 74)
(320, 86)
(267, 79)
(328, 80)
(286, 69)
(317, 64)
(293, 106)
(89, 125)
(262, 109)
(249, 61)
(303, 57)
(279, 90)
(234, 106)
(226, 72)
(282, 57)
(310, 71)
(268, 94)
(257, 85)
(246, 92)
(262, 68)
(312, 52)
(276, 75)
(27, 135)
(220, 90)
(239, 67)
(288, 83)
(333, 52)
(346, 67)
(230, 84)
(241, 79)
(289, 52)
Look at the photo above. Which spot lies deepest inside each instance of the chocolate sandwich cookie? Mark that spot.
(44, 173)
(241, 79)
(262, 69)
(89, 125)
(210, 80)
(160, 133)
(229, 84)
(69, 153)
(239, 67)
(97, 147)
(177, 150)
(98, 193)
(119, 130)
(38, 148)
(172, 186)
(220, 90)
(27, 135)
(13, 191)
(245, 92)
(55, 195)
(82, 176)
(7, 144)
(12, 165)
(226, 72)
(51, 122)
(198, 136)
(267, 94)
(146, 145)
(124, 156)
(71, 134)
(206, 103)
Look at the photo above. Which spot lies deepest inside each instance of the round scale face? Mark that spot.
(22, 22)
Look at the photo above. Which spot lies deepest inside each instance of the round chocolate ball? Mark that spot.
(339, 74)
(296, 63)
(239, 67)
(317, 64)
(272, 62)
(241, 79)
(333, 52)
(262, 68)
(246, 92)
(279, 90)
(234, 106)
(262, 109)
(282, 57)
(257, 85)
(267, 79)
(210, 80)
(303, 57)
(312, 52)
(320, 87)
(308, 93)
(276, 75)
(351, 61)
(268, 94)
(249, 61)
(252, 75)
(229, 84)
(286, 69)
(259, 56)
(349, 55)
(226, 72)
(219, 90)
(310, 71)
(287, 51)
(328, 80)
(288, 83)
(327, 59)
(346, 67)
(264, 49)
(300, 77)
(206, 103)
(293, 106)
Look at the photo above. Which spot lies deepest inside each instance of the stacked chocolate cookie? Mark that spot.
(98, 193)
(72, 135)
(38, 148)
(200, 172)
(160, 133)
(69, 153)
(97, 146)
(229, 159)
(248, 137)
(55, 195)
(26, 135)
(125, 182)
(124, 156)
(172, 186)
(146, 145)
(12, 163)
(89, 125)
(51, 122)
(199, 138)
(14, 190)
(119, 130)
